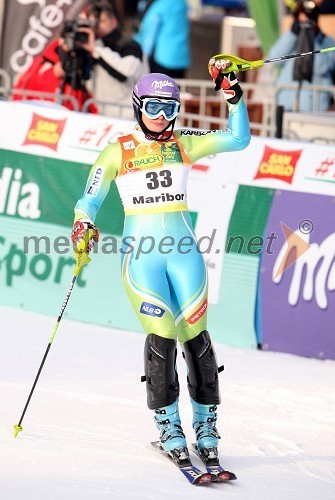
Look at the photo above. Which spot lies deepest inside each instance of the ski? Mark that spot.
(180, 458)
(213, 467)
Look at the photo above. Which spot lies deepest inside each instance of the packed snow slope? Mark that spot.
(86, 431)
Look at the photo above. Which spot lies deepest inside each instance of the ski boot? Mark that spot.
(204, 425)
(172, 437)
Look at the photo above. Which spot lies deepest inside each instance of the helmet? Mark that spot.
(159, 86)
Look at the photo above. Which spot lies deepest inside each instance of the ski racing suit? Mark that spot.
(167, 286)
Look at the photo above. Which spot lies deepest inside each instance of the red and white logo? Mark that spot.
(198, 313)
(44, 132)
(278, 164)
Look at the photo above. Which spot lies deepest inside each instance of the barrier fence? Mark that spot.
(203, 108)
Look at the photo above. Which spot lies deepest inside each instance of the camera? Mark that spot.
(73, 34)
(309, 8)
(76, 61)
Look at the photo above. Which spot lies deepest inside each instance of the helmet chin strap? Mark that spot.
(157, 136)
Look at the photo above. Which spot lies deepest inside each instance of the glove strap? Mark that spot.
(234, 94)
(228, 83)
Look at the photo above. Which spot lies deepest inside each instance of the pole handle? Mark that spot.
(237, 63)
(81, 254)
(17, 429)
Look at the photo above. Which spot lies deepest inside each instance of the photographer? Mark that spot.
(62, 68)
(305, 35)
(117, 61)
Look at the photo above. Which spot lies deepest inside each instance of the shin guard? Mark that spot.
(160, 371)
(202, 379)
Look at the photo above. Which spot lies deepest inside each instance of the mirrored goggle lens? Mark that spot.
(154, 108)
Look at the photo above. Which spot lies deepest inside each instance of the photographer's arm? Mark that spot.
(117, 65)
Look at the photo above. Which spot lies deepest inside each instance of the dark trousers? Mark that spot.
(157, 68)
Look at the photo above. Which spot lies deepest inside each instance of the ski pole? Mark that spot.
(83, 259)
(239, 64)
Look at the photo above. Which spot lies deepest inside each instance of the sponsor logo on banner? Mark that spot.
(312, 271)
(144, 161)
(44, 132)
(297, 304)
(278, 164)
(36, 24)
(95, 184)
(198, 313)
(18, 198)
(325, 170)
(151, 309)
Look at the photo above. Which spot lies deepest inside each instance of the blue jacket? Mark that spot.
(324, 66)
(164, 32)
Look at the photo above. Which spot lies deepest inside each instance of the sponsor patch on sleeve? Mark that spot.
(93, 188)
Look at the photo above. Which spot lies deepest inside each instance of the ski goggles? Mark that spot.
(153, 108)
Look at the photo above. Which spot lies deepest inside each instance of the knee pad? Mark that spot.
(160, 371)
(202, 378)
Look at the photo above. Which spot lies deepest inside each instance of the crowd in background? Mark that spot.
(94, 58)
(305, 35)
(104, 51)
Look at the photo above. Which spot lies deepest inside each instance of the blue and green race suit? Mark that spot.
(167, 286)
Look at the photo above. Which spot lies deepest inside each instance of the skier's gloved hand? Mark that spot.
(84, 235)
(226, 82)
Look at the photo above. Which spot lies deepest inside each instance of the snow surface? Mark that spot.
(86, 432)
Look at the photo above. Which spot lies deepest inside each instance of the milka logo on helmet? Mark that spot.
(95, 184)
(151, 309)
(159, 84)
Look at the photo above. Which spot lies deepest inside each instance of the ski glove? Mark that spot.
(84, 235)
(227, 82)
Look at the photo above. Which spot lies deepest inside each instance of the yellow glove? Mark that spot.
(84, 235)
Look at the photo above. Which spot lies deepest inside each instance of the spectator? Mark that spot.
(164, 37)
(117, 58)
(305, 35)
(62, 68)
(326, 6)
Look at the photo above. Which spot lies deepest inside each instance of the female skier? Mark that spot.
(167, 288)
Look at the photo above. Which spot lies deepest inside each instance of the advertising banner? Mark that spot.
(287, 165)
(28, 26)
(237, 203)
(297, 304)
(244, 244)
